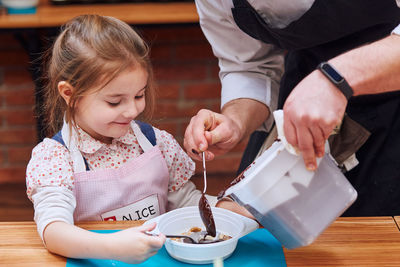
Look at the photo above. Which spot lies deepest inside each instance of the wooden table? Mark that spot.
(48, 15)
(397, 220)
(364, 241)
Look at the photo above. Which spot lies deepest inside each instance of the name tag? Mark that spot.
(144, 209)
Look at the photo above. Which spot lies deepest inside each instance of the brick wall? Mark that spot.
(186, 72)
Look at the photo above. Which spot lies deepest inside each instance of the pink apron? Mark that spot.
(135, 191)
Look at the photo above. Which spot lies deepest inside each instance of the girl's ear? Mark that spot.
(65, 89)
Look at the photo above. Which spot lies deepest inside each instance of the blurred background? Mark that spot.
(185, 69)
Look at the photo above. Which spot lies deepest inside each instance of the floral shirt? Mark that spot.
(51, 163)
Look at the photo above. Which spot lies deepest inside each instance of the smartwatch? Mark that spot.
(336, 78)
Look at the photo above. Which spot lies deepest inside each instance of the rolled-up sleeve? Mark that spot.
(249, 68)
(50, 184)
(53, 204)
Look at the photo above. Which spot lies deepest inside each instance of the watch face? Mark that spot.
(332, 73)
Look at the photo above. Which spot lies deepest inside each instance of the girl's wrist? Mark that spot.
(105, 246)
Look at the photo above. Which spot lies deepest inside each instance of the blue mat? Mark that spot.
(258, 248)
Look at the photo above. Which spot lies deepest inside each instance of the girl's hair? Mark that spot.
(90, 51)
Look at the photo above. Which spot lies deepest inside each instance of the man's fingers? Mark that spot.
(306, 148)
(200, 122)
(290, 133)
(194, 140)
(210, 120)
(319, 140)
(219, 131)
(212, 133)
(189, 143)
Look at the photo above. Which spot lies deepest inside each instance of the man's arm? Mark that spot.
(255, 114)
(249, 68)
(373, 68)
(250, 72)
(316, 106)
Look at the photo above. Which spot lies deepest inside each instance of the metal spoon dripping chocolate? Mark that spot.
(205, 208)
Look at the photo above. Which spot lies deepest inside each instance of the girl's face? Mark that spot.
(106, 114)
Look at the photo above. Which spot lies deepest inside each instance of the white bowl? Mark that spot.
(20, 3)
(181, 220)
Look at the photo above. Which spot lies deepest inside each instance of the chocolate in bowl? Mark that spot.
(201, 236)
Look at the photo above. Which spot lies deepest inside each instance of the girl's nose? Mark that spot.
(131, 111)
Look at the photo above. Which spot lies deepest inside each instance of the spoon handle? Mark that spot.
(183, 237)
(175, 236)
(204, 173)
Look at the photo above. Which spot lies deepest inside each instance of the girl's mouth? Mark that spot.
(122, 123)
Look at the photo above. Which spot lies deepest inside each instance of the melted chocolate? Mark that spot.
(207, 216)
(233, 182)
(205, 241)
(202, 241)
(201, 237)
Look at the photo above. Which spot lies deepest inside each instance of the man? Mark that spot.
(359, 76)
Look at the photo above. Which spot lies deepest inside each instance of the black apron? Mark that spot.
(327, 29)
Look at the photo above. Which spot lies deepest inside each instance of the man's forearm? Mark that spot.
(248, 114)
(373, 68)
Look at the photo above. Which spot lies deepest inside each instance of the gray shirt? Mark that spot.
(249, 68)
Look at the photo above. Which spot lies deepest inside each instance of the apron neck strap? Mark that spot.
(70, 143)
(142, 139)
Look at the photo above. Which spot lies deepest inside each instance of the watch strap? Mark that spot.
(332, 74)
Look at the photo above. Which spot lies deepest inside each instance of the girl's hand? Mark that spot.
(212, 132)
(133, 245)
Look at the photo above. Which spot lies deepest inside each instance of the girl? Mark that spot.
(103, 165)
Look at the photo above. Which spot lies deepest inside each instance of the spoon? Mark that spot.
(205, 208)
(186, 238)
(190, 240)
(194, 240)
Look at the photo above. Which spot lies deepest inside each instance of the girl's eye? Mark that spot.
(139, 96)
(114, 104)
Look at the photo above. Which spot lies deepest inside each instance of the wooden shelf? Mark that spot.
(48, 15)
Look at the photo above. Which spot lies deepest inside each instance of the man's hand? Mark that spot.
(212, 132)
(218, 133)
(311, 112)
